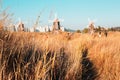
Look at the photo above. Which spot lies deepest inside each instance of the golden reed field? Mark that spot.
(59, 56)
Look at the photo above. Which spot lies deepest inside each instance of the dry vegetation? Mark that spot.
(62, 56)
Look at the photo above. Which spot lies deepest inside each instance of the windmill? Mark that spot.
(56, 22)
(91, 25)
(20, 25)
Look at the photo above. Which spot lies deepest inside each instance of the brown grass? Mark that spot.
(62, 56)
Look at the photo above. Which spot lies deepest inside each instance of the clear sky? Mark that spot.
(74, 12)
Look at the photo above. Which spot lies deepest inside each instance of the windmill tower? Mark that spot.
(20, 25)
(56, 23)
(91, 26)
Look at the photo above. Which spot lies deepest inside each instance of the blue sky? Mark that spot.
(74, 12)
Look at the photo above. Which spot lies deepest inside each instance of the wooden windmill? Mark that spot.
(91, 26)
(56, 23)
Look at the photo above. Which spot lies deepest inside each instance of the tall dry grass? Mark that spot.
(105, 54)
(62, 56)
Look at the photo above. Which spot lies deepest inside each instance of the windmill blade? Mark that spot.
(61, 20)
(56, 16)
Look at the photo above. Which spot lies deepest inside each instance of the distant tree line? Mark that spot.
(98, 29)
(114, 29)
